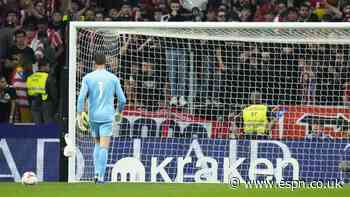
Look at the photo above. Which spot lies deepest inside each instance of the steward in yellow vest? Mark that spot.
(42, 93)
(36, 85)
(256, 119)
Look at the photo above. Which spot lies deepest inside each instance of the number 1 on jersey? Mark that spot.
(100, 86)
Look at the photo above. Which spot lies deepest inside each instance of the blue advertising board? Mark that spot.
(216, 160)
(29, 148)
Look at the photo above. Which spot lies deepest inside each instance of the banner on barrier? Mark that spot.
(214, 160)
(299, 122)
(29, 148)
(293, 122)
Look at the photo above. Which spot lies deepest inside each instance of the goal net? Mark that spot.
(215, 102)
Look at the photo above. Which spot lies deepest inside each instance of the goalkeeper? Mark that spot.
(100, 86)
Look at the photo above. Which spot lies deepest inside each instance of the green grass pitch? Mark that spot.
(157, 190)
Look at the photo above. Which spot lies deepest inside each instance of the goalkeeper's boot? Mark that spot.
(96, 178)
(100, 182)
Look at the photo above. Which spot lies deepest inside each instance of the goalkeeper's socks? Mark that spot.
(96, 158)
(102, 162)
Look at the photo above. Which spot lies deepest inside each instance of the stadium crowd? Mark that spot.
(33, 38)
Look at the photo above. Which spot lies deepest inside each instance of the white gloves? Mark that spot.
(69, 149)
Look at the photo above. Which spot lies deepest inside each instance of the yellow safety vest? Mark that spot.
(255, 119)
(36, 84)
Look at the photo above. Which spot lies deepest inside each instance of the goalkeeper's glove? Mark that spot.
(118, 117)
(83, 121)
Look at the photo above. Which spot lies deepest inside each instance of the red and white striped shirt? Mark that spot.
(19, 83)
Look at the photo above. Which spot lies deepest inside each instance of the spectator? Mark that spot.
(39, 9)
(57, 23)
(43, 50)
(221, 16)
(331, 14)
(266, 7)
(176, 69)
(124, 14)
(265, 72)
(291, 15)
(149, 86)
(43, 94)
(11, 19)
(220, 73)
(197, 15)
(163, 6)
(113, 13)
(240, 5)
(253, 75)
(22, 103)
(6, 36)
(242, 87)
(30, 30)
(333, 84)
(54, 38)
(138, 15)
(7, 101)
(19, 65)
(99, 16)
(280, 9)
(287, 75)
(257, 71)
(19, 53)
(33, 10)
(204, 59)
(346, 12)
(176, 60)
(89, 15)
(246, 15)
(308, 81)
(257, 119)
(214, 75)
(157, 15)
(76, 11)
(334, 73)
(306, 14)
(127, 71)
(211, 15)
(175, 13)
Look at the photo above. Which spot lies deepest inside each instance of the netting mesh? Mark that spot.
(274, 35)
(187, 89)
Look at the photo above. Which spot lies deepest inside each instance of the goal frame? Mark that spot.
(73, 26)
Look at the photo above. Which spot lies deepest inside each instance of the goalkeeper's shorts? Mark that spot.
(101, 129)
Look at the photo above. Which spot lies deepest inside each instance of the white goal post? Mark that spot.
(197, 78)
